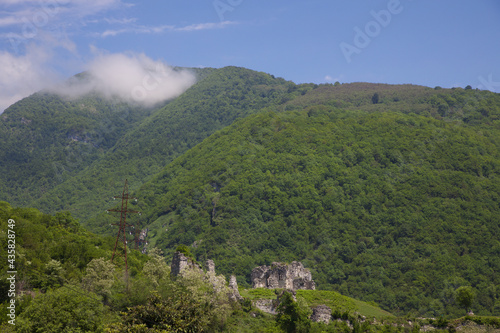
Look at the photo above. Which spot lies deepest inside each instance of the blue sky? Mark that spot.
(427, 42)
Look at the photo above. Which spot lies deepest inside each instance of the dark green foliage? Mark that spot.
(177, 313)
(372, 203)
(464, 296)
(290, 316)
(45, 140)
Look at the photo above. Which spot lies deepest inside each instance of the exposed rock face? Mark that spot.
(233, 285)
(279, 275)
(321, 313)
(180, 262)
(210, 266)
(271, 305)
(266, 305)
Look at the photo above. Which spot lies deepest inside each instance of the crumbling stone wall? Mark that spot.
(233, 285)
(280, 275)
(180, 262)
(321, 313)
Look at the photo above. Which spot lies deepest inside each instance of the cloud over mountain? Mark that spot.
(132, 78)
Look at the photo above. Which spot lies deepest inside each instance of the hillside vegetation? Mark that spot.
(46, 140)
(388, 193)
(65, 282)
(213, 103)
(392, 208)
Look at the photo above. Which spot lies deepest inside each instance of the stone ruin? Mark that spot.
(180, 263)
(280, 275)
(233, 285)
(321, 313)
(277, 276)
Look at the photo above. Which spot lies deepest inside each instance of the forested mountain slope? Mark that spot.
(45, 140)
(74, 155)
(392, 208)
(469, 107)
(389, 193)
(214, 102)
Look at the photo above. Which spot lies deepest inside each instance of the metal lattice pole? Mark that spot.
(122, 235)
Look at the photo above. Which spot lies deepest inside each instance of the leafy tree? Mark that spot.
(67, 309)
(156, 268)
(99, 277)
(464, 297)
(54, 274)
(375, 98)
(292, 317)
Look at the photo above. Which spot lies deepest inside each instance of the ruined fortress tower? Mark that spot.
(280, 275)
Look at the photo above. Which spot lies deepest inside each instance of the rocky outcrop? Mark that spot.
(279, 275)
(210, 265)
(233, 285)
(266, 305)
(321, 313)
(180, 262)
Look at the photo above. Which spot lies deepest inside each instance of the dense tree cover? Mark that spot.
(45, 140)
(291, 317)
(223, 96)
(392, 208)
(394, 202)
(85, 148)
(469, 107)
(49, 249)
(90, 294)
(69, 284)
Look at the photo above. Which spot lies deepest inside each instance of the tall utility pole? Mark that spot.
(122, 235)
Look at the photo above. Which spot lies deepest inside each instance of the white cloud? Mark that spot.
(205, 26)
(132, 78)
(23, 75)
(136, 30)
(142, 29)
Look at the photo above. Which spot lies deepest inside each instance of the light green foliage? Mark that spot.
(259, 293)
(211, 290)
(67, 309)
(332, 299)
(99, 277)
(156, 268)
(49, 248)
(54, 274)
(195, 302)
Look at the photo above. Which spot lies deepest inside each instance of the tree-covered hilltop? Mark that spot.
(223, 96)
(466, 106)
(389, 193)
(73, 155)
(45, 140)
(392, 208)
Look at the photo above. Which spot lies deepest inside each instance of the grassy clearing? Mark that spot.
(332, 299)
